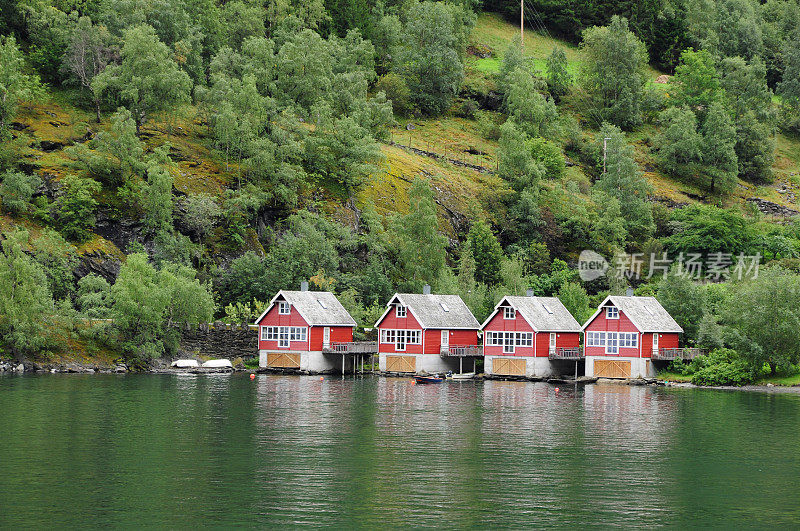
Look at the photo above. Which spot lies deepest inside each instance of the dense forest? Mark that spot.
(174, 161)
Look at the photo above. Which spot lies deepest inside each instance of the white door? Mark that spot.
(552, 343)
(655, 343)
(445, 338)
(326, 337)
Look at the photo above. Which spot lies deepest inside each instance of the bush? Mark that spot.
(16, 191)
(721, 367)
(396, 90)
(487, 125)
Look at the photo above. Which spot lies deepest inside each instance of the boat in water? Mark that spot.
(461, 376)
(428, 379)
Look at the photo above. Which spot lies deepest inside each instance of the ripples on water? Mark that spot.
(375, 452)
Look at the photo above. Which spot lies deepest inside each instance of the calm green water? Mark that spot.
(145, 450)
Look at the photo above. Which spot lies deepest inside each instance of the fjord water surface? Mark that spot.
(222, 450)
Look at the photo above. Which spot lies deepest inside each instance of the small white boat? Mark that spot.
(185, 364)
(218, 364)
(463, 376)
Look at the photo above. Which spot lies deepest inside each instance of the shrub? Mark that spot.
(723, 366)
(17, 189)
(396, 90)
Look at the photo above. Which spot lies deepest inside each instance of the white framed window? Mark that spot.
(283, 308)
(629, 339)
(611, 343)
(297, 333)
(509, 313)
(269, 333)
(612, 312)
(283, 336)
(400, 338)
(524, 339)
(400, 311)
(508, 342)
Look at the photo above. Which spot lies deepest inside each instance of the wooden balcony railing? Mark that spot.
(353, 347)
(461, 351)
(562, 353)
(669, 354)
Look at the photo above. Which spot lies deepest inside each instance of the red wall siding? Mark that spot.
(339, 334)
(391, 322)
(665, 340)
(623, 324)
(433, 339)
(563, 340)
(499, 324)
(273, 318)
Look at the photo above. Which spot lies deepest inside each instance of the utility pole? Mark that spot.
(605, 146)
(521, 25)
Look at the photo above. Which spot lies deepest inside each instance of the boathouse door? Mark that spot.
(655, 343)
(552, 343)
(445, 339)
(326, 337)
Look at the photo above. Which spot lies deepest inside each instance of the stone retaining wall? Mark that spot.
(219, 340)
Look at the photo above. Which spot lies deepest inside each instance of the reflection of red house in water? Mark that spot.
(426, 332)
(299, 329)
(524, 333)
(625, 333)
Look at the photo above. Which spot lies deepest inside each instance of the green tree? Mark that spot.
(624, 181)
(706, 229)
(679, 142)
(513, 59)
(719, 149)
(697, 81)
(88, 53)
(147, 80)
(575, 300)
(682, 299)
(77, 206)
(789, 87)
(517, 164)
(17, 189)
(15, 85)
(430, 53)
(157, 200)
(755, 148)
(534, 114)
(420, 246)
(559, 79)
(763, 318)
(614, 73)
(94, 296)
(199, 213)
(146, 303)
(26, 302)
(486, 252)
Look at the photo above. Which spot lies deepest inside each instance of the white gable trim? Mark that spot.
(600, 309)
(407, 307)
(272, 303)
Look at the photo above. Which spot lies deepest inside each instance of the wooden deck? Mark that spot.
(562, 353)
(669, 354)
(352, 348)
(461, 351)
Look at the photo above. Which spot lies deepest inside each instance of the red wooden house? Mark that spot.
(419, 332)
(622, 335)
(523, 333)
(299, 330)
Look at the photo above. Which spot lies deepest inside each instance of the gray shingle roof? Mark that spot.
(534, 310)
(430, 313)
(646, 313)
(318, 308)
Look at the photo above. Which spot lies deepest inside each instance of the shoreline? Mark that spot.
(28, 367)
